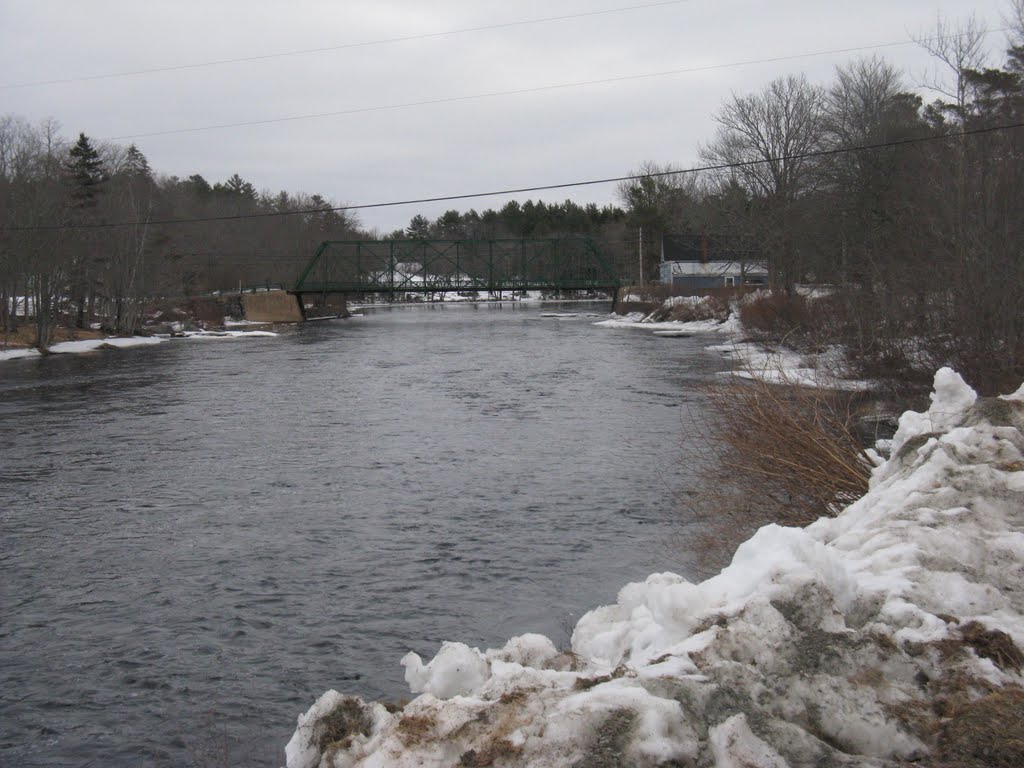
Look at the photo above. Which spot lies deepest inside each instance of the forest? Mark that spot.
(909, 208)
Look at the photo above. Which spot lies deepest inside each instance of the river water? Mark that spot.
(199, 538)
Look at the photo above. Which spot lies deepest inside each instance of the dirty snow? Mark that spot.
(803, 651)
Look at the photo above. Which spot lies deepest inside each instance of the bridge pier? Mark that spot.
(273, 307)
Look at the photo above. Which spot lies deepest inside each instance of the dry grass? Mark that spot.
(994, 645)
(776, 315)
(345, 721)
(797, 445)
(706, 308)
(414, 730)
(586, 683)
(771, 454)
(498, 749)
(985, 733)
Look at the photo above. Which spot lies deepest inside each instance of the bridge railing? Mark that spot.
(397, 266)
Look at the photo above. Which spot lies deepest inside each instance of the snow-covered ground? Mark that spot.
(827, 645)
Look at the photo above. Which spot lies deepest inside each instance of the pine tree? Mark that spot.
(419, 228)
(136, 166)
(85, 172)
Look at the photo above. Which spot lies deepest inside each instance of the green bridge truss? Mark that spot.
(432, 266)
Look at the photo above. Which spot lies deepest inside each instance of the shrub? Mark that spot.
(690, 308)
(772, 454)
(775, 316)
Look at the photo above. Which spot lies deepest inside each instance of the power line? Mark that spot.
(538, 188)
(520, 91)
(342, 47)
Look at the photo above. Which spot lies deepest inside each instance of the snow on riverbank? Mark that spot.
(220, 335)
(847, 643)
(83, 345)
(91, 345)
(636, 321)
(17, 354)
(751, 360)
(121, 342)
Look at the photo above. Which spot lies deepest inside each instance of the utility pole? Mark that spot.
(641, 250)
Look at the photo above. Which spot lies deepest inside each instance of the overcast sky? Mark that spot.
(456, 146)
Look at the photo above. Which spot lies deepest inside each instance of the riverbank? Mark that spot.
(890, 633)
(682, 316)
(100, 342)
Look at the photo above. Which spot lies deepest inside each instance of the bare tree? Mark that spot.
(958, 48)
(32, 263)
(657, 200)
(867, 105)
(1014, 19)
(765, 139)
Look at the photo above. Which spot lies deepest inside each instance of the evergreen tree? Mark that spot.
(198, 185)
(136, 166)
(419, 227)
(236, 186)
(85, 172)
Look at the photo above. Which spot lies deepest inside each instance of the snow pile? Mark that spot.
(830, 645)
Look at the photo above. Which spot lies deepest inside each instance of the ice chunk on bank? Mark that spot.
(456, 670)
(949, 399)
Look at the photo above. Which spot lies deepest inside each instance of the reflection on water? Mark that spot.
(199, 538)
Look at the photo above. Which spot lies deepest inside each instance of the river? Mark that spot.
(199, 538)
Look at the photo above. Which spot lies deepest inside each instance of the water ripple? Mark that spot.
(197, 540)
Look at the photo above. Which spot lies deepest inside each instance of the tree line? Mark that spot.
(920, 233)
(909, 208)
(61, 262)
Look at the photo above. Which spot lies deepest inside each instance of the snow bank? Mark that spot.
(751, 360)
(120, 342)
(16, 354)
(819, 646)
(83, 345)
(90, 345)
(785, 366)
(635, 321)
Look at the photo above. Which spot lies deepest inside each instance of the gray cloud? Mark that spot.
(488, 143)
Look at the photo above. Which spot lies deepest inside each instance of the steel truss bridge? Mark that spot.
(464, 266)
